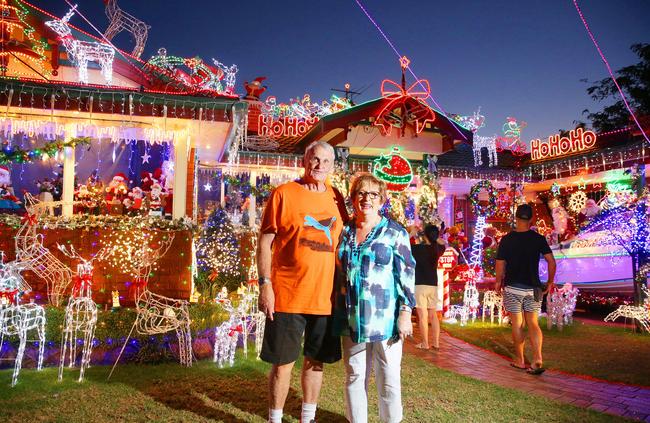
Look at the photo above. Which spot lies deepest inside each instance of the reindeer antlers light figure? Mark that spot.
(493, 301)
(37, 258)
(82, 52)
(229, 72)
(18, 319)
(640, 313)
(122, 21)
(81, 312)
(157, 314)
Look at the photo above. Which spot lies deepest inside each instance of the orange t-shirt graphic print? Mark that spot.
(307, 225)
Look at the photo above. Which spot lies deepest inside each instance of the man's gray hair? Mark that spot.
(315, 144)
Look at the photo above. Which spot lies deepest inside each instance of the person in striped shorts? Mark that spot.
(517, 274)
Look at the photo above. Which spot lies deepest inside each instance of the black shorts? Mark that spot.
(283, 338)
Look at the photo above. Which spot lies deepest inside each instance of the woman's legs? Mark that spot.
(387, 360)
(358, 362)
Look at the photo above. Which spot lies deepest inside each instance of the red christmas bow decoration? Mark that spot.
(81, 283)
(138, 285)
(411, 99)
(30, 219)
(9, 295)
(234, 329)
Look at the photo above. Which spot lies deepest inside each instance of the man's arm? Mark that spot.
(266, 301)
(550, 261)
(500, 267)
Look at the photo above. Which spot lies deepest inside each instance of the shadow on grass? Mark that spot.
(229, 395)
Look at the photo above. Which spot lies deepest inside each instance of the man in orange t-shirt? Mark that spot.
(296, 260)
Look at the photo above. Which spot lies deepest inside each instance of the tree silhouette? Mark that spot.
(634, 80)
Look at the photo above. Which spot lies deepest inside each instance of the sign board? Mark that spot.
(284, 126)
(578, 141)
(448, 259)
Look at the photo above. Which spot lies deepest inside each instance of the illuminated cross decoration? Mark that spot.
(404, 106)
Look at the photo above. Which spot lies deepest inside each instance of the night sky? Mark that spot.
(513, 58)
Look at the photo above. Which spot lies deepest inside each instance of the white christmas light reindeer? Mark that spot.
(490, 143)
(493, 302)
(242, 320)
(122, 21)
(37, 258)
(18, 319)
(157, 314)
(640, 313)
(81, 312)
(560, 305)
(83, 52)
(229, 72)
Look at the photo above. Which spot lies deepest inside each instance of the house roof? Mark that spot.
(334, 127)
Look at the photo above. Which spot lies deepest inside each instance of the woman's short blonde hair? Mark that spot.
(365, 179)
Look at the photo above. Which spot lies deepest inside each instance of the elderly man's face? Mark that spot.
(319, 163)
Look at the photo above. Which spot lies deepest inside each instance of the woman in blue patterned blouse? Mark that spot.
(375, 295)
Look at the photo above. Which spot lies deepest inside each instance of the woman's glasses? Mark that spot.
(373, 195)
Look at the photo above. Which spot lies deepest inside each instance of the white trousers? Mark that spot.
(386, 360)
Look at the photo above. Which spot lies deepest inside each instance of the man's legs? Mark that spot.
(320, 347)
(279, 381)
(435, 325)
(281, 347)
(424, 326)
(536, 338)
(311, 380)
(518, 338)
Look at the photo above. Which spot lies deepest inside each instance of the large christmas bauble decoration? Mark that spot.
(393, 169)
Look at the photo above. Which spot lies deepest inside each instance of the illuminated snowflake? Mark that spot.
(577, 201)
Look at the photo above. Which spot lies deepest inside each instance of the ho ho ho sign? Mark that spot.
(284, 126)
(556, 146)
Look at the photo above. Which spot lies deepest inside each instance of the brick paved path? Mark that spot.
(463, 358)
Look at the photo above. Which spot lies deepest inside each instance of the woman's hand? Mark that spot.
(404, 325)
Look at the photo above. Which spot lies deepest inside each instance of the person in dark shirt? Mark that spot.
(517, 267)
(426, 285)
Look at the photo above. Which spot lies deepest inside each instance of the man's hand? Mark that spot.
(266, 300)
(404, 325)
(549, 287)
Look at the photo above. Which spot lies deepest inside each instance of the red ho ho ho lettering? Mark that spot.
(578, 140)
(284, 127)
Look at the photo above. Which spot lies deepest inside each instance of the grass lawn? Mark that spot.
(610, 353)
(169, 392)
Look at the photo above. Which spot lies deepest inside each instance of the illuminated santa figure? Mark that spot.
(156, 200)
(117, 189)
(590, 209)
(8, 202)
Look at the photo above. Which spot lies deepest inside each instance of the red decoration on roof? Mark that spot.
(406, 106)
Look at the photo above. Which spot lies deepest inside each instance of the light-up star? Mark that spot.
(382, 161)
(207, 187)
(404, 62)
(556, 189)
(582, 184)
(145, 157)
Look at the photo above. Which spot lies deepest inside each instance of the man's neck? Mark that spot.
(522, 227)
(312, 185)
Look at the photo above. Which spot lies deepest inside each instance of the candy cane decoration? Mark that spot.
(446, 263)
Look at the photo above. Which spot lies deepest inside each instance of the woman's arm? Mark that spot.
(404, 271)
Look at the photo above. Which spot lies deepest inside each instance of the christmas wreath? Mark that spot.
(480, 209)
